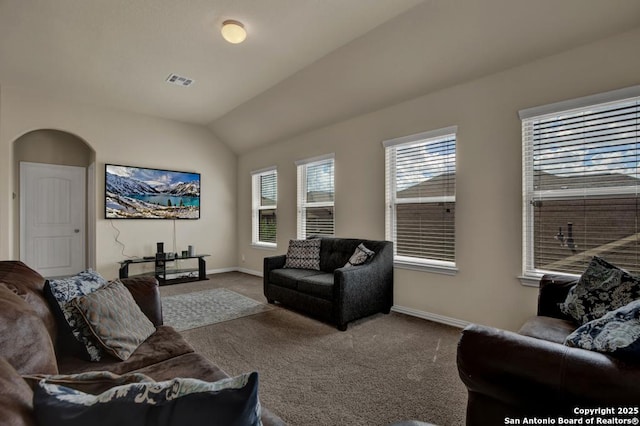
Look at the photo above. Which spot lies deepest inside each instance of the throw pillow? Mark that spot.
(602, 288)
(617, 332)
(93, 382)
(66, 289)
(360, 256)
(114, 318)
(185, 402)
(303, 254)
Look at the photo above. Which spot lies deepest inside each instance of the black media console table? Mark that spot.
(161, 272)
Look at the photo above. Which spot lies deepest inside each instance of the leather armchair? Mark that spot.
(531, 373)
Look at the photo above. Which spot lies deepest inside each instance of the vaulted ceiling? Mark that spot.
(305, 63)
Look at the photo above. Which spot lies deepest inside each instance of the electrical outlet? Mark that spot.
(243, 259)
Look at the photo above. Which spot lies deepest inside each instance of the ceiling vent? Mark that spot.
(179, 80)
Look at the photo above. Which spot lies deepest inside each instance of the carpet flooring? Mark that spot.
(383, 369)
(200, 308)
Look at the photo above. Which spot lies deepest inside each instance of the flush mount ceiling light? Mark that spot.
(233, 31)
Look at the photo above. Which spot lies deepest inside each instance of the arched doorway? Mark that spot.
(55, 174)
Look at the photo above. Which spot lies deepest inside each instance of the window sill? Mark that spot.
(424, 267)
(533, 279)
(530, 280)
(264, 246)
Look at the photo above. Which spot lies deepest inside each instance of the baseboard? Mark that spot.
(249, 271)
(234, 269)
(221, 270)
(430, 316)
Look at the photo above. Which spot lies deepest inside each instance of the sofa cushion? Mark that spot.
(165, 343)
(603, 287)
(28, 284)
(184, 402)
(192, 365)
(547, 328)
(24, 340)
(64, 290)
(617, 332)
(289, 277)
(16, 406)
(116, 321)
(303, 254)
(320, 285)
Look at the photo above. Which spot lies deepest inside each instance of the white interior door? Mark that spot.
(52, 218)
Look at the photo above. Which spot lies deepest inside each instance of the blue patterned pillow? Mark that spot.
(185, 402)
(64, 290)
(617, 332)
(602, 288)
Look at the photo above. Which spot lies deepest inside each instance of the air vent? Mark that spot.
(179, 80)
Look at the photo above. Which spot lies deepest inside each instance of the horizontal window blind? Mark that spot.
(420, 194)
(581, 186)
(265, 200)
(316, 195)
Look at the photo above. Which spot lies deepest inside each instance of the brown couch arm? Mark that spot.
(514, 375)
(146, 293)
(553, 290)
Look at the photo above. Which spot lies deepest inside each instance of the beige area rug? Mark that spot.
(198, 309)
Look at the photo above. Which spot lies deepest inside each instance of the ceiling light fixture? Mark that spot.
(233, 31)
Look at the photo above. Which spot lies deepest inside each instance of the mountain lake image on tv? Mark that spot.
(141, 193)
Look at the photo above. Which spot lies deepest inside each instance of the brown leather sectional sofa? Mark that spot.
(532, 374)
(29, 344)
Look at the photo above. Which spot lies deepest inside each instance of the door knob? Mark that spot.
(76, 231)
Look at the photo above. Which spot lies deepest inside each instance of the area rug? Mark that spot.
(193, 310)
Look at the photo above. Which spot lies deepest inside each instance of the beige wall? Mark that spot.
(489, 202)
(128, 139)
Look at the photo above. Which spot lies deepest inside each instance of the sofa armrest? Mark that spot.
(553, 290)
(146, 293)
(364, 288)
(539, 377)
(269, 264)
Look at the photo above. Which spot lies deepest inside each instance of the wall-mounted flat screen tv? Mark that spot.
(141, 193)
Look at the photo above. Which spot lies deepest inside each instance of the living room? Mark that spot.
(570, 55)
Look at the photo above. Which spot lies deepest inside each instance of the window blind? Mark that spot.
(265, 199)
(420, 194)
(581, 186)
(316, 195)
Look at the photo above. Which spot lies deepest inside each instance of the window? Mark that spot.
(315, 196)
(265, 204)
(580, 184)
(421, 199)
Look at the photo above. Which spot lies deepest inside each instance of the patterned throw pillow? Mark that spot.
(617, 332)
(184, 402)
(602, 288)
(303, 254)
(360, 255)
(115, 319)
(66, 289)
(93, 382)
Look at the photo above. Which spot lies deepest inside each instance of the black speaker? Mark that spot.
(160, 247)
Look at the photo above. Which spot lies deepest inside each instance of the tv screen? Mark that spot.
(140, 193)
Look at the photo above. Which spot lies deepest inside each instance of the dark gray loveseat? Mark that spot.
(334, 293)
